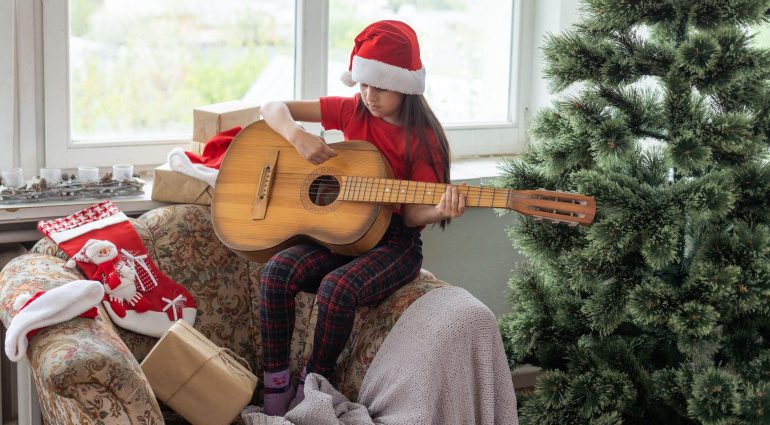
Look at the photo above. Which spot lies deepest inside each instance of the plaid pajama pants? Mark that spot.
(341, 284)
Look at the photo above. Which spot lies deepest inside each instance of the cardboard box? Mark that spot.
(202, 382)
(196, 147)
(173, 186)
(210, 120)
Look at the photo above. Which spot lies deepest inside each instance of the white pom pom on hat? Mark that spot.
(386, 55)
(20, 300)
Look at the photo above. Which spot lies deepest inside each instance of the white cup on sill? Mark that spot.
(122, 172)
(51, 175)
(13, 178)
(88, 174)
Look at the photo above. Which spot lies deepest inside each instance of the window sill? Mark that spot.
(475, 168)
(18, 222)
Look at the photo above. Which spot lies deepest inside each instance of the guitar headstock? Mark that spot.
(558, 207)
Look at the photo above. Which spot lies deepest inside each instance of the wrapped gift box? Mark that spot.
(202, 382)
(173, 186)
(210, 120)
(196, 147)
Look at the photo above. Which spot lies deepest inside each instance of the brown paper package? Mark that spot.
(210, 120)
(196, 378)
(173, 186)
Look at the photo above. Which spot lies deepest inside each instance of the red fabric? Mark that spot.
(107, 273)
(215, 149)
(153, 285)
(88, 314)
(390, 42)
(339, 113)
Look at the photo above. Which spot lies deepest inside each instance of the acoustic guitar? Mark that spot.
(267, 197)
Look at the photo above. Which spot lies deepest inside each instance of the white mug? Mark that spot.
(88, 174)
(122, 172)
(51, 175)
(13, 178)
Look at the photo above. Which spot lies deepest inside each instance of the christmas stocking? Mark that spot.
(104, 245)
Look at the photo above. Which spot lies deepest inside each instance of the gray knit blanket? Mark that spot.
(442, 363)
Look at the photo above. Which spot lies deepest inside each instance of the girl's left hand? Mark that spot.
(452, 203)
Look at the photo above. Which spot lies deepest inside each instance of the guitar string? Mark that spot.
(357, 182)
(565, 207)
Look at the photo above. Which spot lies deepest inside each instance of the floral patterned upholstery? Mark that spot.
(87, 371)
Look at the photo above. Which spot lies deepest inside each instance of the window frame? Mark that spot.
(7, 86)
(311, 48)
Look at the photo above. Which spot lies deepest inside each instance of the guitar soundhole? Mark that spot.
(324, 190)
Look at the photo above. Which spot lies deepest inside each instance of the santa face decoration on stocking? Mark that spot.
(104, 245)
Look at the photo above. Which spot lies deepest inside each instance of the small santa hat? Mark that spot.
(387, 55)
(81, 255)
(46, 308)
(205, 166)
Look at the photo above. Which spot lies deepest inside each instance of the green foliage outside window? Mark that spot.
(140, 75)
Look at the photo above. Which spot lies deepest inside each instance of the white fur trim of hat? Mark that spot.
(386, 55)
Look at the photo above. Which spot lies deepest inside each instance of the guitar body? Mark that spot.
(267, 197)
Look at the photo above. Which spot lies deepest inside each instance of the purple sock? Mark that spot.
(278, 392)
(300, 389)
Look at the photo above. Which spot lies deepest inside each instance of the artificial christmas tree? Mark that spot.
(659, 313)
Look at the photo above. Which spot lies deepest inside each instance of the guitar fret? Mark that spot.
(358, 188)
(414, 193)
(367, 189)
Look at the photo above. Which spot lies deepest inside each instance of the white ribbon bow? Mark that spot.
(176, 302)
(133, 260)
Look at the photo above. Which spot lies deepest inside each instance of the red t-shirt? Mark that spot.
(340, 113)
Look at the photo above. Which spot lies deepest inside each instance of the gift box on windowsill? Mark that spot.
(173, 186)
(202, 382)
(211, 120)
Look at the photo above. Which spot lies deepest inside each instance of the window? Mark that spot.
(126, 75)
(468, 65)
(119, 79)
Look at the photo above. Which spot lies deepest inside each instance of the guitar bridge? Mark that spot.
(262, 197)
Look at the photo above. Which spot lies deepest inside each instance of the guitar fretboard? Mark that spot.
(369, 189)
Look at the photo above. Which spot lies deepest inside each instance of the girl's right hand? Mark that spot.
(311, 147)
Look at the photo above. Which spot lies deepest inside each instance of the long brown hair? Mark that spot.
(417, 117)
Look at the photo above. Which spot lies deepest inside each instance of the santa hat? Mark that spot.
(81, 255)
(386, 55)
(46, 308)
(205, 166)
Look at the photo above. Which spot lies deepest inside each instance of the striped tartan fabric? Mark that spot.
(341, 283)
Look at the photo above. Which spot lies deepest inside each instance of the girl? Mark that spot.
(391, 113)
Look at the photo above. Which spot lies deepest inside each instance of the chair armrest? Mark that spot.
(372, 326)
(81, 366)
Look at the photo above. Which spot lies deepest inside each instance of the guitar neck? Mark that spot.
(391, 191)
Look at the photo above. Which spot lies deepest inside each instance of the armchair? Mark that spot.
(87, 371)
